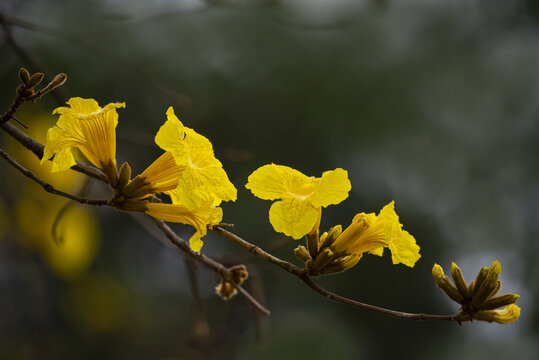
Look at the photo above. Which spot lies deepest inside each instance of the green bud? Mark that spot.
(443, 283)
(312, 243)
(456, 274)
(125, 175)
(488, 286)
(332, 235)
(34, 80)
(481, 275)
(322, 259)
(341, 264)
(58, 80)
(471, 286)
(499, 301)
(24, 75)
(302, 253)
(495, 290)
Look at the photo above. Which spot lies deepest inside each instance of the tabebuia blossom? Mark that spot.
(301, 198)
(88, 127)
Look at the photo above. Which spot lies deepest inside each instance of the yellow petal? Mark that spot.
(77, 106)
(63, 160)
(333, 188)
(293, 217)
(171, 135)
(271, 182)
(402, 245)
(404, 249)
(200, 185)
(56, 143)
(195, 242)
(199, 218)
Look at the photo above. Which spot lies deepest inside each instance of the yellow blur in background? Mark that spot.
(65, 234)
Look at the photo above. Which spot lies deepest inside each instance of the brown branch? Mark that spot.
(252, 300)
(6, 21)
(302, 275)
(48, 187)
(291, 268)
(208, 262)
(403, 315)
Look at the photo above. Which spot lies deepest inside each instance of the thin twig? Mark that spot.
(208, 262)
(48, 187)
(302, 275)
(32, 62)
(252, 300)
(258, 251)
(19, 122)
(403, 315)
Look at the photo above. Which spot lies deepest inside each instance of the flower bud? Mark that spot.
(58, 80)
(499, 301)
(34, 80)
(456, 274)
(443, 283)
(239, 274)
(332, 235)
(24, 75)
(341, 264)
(225, 290)
(323, 258)
(506, 315)
(125, 175)
(488, 286)
(481, 275)
(302, 253)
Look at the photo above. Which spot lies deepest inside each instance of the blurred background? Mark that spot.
(433, 104)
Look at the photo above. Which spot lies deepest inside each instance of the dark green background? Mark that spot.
(432, 104)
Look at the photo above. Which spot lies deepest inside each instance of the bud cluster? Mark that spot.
(321, 257)
(226, 288)
(478, 300)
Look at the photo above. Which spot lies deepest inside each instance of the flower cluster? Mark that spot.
(298, 214)
(187, 171)
(478, 300)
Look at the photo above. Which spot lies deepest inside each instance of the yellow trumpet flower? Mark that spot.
(88, 127)
(371, 233)
(301, 197)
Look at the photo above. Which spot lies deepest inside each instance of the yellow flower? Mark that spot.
(200, 218)
(369, 232)
(161, 176)
(88, 127)
(302, 197)
(202, 179)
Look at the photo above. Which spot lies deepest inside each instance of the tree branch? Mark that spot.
(302, 275)
(48, 187)
(208, 262)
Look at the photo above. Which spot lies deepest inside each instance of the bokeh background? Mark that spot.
(433, 104)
